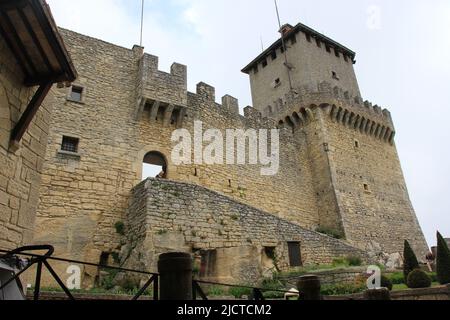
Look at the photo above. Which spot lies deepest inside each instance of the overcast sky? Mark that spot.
(403, 62)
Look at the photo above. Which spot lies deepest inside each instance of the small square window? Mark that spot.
(334, 75)
(70, 144)
(276, 83)
(76, 93)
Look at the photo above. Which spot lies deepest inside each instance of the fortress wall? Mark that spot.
(374, 201)
(172, 216)
(85, 194)
(20, 170)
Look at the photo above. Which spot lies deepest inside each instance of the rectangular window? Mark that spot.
(76, 93)
(334, 75)
(70, 144)
(295, 257)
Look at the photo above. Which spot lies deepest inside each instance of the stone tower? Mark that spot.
(307, 83)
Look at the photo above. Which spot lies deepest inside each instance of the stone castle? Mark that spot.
(339, 169)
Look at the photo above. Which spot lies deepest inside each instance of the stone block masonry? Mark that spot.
(339, 168)
(19, 171)
(173, 216)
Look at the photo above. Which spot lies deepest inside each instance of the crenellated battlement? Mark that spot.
(296, 109)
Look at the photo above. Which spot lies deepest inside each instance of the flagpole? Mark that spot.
(142, 22)
(286, 63)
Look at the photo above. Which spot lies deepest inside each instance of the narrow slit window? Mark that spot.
(70, 144)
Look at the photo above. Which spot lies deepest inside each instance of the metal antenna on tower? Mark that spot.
(142, 22)
(283, 43)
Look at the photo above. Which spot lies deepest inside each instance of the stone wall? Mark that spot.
(126, 112)
(19, 170)
(172, 216)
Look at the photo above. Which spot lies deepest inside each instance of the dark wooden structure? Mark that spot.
(29, 30)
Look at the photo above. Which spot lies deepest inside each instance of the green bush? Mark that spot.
(330, 232)
(397, 278)
(418, 279)
(238, 292)
(443, 261)
(410, 262)
(354, 261)
(216, 291)
(342, 289)
(386, 283)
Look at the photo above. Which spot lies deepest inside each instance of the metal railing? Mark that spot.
(43, 261)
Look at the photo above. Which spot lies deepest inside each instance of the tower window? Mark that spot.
(276, 83)
(70, 144)
(334, 75)
(366, 187)
(76, 94)
(356, 144)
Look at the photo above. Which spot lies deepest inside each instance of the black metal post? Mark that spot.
(37, 285)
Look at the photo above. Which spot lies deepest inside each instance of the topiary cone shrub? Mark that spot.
(442, 261)
(410, 262)
(418, 279)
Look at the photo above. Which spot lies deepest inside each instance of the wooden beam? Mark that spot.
(19, 56)
(26, 118)
(18, 41)
(36, 41)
